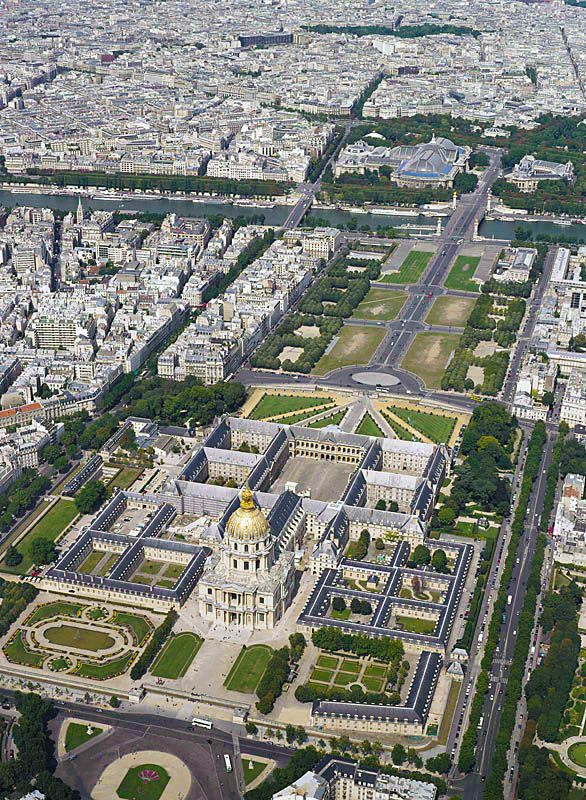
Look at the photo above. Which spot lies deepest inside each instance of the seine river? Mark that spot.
(273, 216)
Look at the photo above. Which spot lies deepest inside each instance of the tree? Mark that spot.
(393, 506)
(91, 497)
(290, 733)
(439, 561)
(446, 517)
(380, 505)
(548, 399)
(251, 729)
(114, 701)
(441, 763)
(42, 550)
(6, 521)
(339, 604)
(12, 557)
(301, 734)
(61, 464)
(398, 754)
(421, 555)
(379, 543)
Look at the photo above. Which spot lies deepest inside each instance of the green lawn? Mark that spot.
(248, 668)
(16, 651)
(328, 662)
(59, 608)
(272, 404)
(355, 345)
(137, 624)
(134, 787)
(125, 478)
(335, 419)
(428, 356)
(411, 269)
(79, 637)
(372, 684)
(415, 625)
(460, 276)
(375, 671)
(448, 712)
(166, 584)
(77, 734)
(435, 427)
(341, 615)
(380, 304)
(368, 427)
(102, 672)
(174, 571)
(142, 579)
(250, 773)
(91, 562)
(322, 675)
(151, 567)
(345, 678)
(450, 310)
(49, 527)
(349, 665)
(177, 656)
(97, 613)
(294, 419)
(105, 568)
(577, 753)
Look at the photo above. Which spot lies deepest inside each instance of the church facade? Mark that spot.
(245, 582)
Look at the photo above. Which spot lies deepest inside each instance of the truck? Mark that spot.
(509, 599)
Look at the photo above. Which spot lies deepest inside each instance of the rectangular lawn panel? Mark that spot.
(56, 609)
(103, 672)
(328, 662)
(435, 427)
(91, 562)
(449, 712)
(323, 675)
(137, 624)
(416, 625)
(125, 478)
(460, 276)
(372, 684)
(380, 304)
(166, 584)
(105, 568)
(177, 656)
(77, 734)
(17, 652)
(248, 668)
(410, 270)
(151, 567)
(174, 571)
(348, 665)
(272, 404)
(133, 787)
(375, 671)
(355, 345)
(49, 527)
(335, 419)
(428, 355)
(450, 310)
(345, 678)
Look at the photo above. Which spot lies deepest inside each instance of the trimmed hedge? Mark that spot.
(155, 645)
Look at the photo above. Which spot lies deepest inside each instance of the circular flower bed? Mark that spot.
(60, 664)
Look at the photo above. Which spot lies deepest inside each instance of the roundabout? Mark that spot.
(145, 775)
(375, 379)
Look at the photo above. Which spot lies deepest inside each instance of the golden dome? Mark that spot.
(247, 523)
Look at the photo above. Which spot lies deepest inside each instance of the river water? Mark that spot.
(273, 216)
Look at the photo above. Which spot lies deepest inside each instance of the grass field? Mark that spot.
(355, 345)
(327, 662)
(77, 734)
(294, 419)
(461, 274)
(410, 270)
(415, 625)
(435, 427)
(91, 562)
(449, 310)
(368, 427)
(16, 651)
(250, 773)
(59, 608)
(105, 569)
(151, 567)
(348, 665)
(78, 637)
(248, 668)
(428, 356)
(102, 672)
(177, 656)
(49, 527)
(375, 671)
(345, 678)
(272, 404)
(380, 304)
(577, 753)
(125, 478)
(165, 584)
(372, 684)
(134, 788)
(335, 419)
(137, 624)
(174, 571)
(448, 712)
(322, 675)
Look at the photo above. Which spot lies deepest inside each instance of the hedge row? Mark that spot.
(553, 473)
(153, 648)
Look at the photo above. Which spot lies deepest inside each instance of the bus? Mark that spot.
(476, 398)
(202, 723)
(228, 763)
